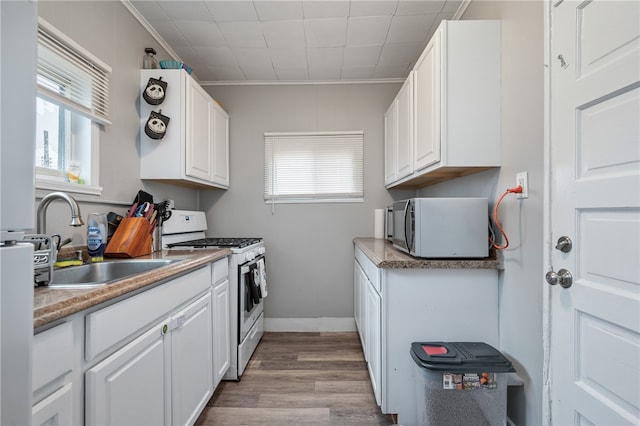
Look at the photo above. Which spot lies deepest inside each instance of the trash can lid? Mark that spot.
(460, 357)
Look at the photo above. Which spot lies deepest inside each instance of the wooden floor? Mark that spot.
(299, 379)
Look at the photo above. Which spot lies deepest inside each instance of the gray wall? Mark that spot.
(521, 281)
(109, 31)
(309, 246)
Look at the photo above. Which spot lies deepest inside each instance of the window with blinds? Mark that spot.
(72, 102)
(71, 76)
(313, 167)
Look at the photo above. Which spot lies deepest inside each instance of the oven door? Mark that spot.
(250, 298)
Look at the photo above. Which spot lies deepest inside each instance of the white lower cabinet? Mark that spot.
(402, 306)
(132, 386)
(221, 331)
(52, 376)
(161, 378)
(368, 322)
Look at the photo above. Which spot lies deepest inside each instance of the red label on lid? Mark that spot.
(434, 350)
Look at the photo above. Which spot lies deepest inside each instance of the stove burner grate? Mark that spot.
(218, 242)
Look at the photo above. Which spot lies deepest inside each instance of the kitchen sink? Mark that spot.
(101, 273)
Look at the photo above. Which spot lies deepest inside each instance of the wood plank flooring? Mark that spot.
(299, 379)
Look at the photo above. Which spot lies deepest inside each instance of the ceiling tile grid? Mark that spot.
(319, 40)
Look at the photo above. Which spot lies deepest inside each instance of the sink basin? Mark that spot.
(98, 274)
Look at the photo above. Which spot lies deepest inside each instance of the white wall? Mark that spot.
(109, 31)
(521, 282)
(309, 246)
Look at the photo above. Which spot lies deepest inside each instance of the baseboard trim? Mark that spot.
(309, 324)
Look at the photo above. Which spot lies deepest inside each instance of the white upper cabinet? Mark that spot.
(398, 124)
(454, 115)
(194, 151)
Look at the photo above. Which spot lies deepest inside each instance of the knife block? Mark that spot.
(132, 238)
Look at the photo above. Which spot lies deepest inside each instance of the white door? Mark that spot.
(404, 151)
(221, 332)
(595, 201)
(220, 161)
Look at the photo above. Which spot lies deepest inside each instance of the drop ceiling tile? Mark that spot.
(292, 74)
(323, 73)
(278, 10)
(359, 56)
(170, 34)
(325, 57)
(186, 10)
(367, 30)
(259, 73)
(391, 71)
(279, 34)
(200, 33)
(216, 56)
(406, 29)
(400, 54)
(373, 8)
(422, 7)
(325, 9)
(150, 10)
(326, 32)
(243, 34)
(228, 73)
(253, 58)
(359, 73)
(224, 11)
(289, 58)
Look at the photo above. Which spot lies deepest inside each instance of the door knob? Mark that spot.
(564, 244)
(562, 277)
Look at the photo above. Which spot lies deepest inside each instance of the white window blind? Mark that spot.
(70, 76)
(313, 167)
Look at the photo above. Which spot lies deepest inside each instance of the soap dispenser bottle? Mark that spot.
(96, 236)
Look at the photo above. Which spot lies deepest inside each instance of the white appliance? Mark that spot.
(247, 280)
(442, 227)
(18, 29)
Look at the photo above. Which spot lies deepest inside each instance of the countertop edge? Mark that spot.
(51, 304)
(382, 253)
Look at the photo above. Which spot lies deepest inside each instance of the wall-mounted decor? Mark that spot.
(155, 91)
(156, 126)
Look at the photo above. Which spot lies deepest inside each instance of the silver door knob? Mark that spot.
(562, 277)
(564, 244)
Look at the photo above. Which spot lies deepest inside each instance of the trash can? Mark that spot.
(460, 383)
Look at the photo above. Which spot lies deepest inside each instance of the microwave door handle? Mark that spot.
(406, 227)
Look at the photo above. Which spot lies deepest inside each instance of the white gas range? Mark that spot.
(185, 230)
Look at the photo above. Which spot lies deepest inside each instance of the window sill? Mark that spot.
(74, 188)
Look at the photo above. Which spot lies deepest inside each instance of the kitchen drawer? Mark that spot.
(116, 324)
(370, 270)
(52, 355)
(220, 270)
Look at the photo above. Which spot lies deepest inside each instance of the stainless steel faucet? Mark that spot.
(76, 220)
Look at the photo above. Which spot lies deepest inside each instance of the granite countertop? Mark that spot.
(51, 304)
(384, 255)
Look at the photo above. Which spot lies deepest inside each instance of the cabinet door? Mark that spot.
(56, 409)
(374, 339)
(404, 153)
(360, 296)
(220, 161)
(221, 332)
(191, 355)
(132, 386)
(199, 132)
(390, 143)
(427, 82)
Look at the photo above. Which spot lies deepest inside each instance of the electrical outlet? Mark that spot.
(522, 179)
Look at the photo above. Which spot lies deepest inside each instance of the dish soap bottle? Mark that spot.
(96, 236)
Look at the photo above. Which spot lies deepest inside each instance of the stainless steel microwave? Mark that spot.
(442, 227)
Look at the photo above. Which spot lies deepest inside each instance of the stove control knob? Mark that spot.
(261, 250)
